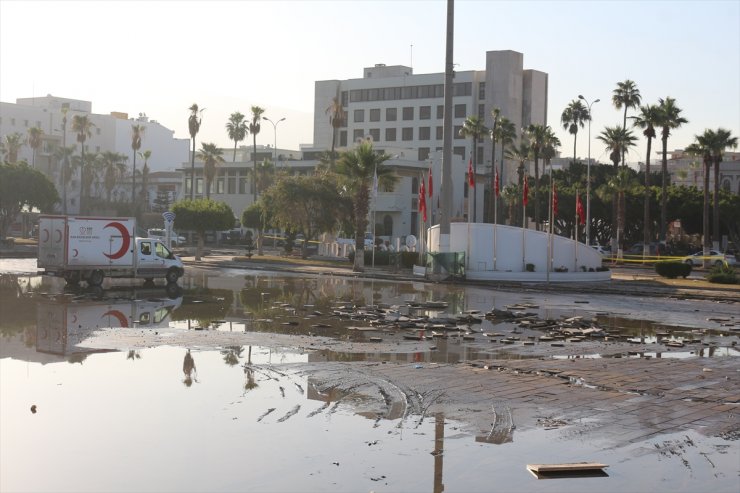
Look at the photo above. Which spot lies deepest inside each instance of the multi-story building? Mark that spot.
(688, 170)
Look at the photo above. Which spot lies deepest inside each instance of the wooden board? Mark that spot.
(575, 466)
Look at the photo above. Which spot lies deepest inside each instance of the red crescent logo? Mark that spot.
(125, 243)
(60, 236)
(122, 320)
(46, 237)
(76, 252)
(74, 320)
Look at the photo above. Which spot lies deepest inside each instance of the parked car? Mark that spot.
(161, 234)
(714, 258)
(604, 251)
(655, 249)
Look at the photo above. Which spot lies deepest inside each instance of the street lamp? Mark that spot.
(274, 129)
(588, 172)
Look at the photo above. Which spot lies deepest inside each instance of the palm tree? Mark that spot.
(254, 129)
(574, 115)
(702, 146)
(336, 120)
(537, 134)
(237, 129)
(357, 169)
(11, 146)
(137, 133)
(670, 118)
(511, 195)
(145, 178)
(89, 166)
(504, 132)
(113, 166)
(620, 185)
(626, 95)
(520, 154)
(647, 120)
(34, 141)
(617, 140)
(719, 140)
(62, 155)
(82, 125)
(193, 127)
(473, 127)
(211, 156)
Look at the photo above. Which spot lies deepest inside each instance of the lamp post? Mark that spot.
(588, 171)
(274, 129)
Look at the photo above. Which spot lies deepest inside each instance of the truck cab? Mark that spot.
(154, 259)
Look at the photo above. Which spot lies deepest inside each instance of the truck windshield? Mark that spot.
(162, 251)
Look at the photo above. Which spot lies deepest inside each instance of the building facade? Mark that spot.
(688, 170)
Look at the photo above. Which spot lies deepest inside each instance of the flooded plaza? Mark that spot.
(239, 380)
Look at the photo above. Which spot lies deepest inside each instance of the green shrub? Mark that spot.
(672, 270)
(722, 274)
(530, 267)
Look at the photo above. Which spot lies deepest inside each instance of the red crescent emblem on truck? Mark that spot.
(46, 235)
(125, 243)
(60, 235)
(120, 316)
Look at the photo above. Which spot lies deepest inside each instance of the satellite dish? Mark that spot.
(411, 241)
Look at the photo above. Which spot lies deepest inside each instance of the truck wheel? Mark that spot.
(72, 278)
(96, 278)
(172, 275)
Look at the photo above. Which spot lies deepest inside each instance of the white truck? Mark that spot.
(93, 248)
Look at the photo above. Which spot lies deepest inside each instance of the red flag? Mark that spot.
(422, 201)
(554, 200)
(431, 185)
(496, 184)
(525, 195)
(471, 177)
(579, 210)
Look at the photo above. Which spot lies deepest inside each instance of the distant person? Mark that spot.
(188, 368)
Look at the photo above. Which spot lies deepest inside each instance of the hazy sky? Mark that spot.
(160, 57)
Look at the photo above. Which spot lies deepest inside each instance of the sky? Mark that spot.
(158, 58)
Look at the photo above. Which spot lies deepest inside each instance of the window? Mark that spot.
(387, 225)
(188, 185)
(391, 114)
(481, 90)
(459, 151)
(425, 112)
(423, 153)
(440, 133)
(424, 133)
(407, 133)
(390, 134)
(161, 250)
(231, 188)
(375, 134)
(359, 116)
(440, 111)
(243, 183)
(456, 132)
(146, 247)
(375, 115)
(481, 111)
(460, 111)
(408, 113)
(479, 156)
(343, 138)
(220, 185)
(199, 186)
(358, 134)
(414, 186)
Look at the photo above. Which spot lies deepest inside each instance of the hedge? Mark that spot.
(672, 270)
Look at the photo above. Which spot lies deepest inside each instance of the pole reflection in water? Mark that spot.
(188, 368)
(439, 442)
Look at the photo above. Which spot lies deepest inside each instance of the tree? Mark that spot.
(702, 146)
(357, 168)
(194, 121)
(89, 167)
(113, 166)
(626, 95)
(617, 140)
(34, 141)
(718, 141)
(137, 133)
(336, 120)
(647, 120)
(82, 126)
(306, 204)
(211, 156)
(62, 155)
(670, 118)
(145, 178)
(473, 127)
(520, 154)
(20, 187)
(202, 215)
(619, 185)
(574, 115)
(537, 135)
(254, 129)
(505, 132)
(11, 147)
(237, 129)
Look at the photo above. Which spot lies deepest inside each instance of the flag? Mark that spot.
(471, 177)
(431, 185)
(375, 184)
(496, 184)
(525, 195)
(554, 200)
(422, 201)
(579, 211)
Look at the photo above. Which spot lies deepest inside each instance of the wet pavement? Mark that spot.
(250, 380)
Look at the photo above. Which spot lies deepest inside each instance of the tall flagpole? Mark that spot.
(524, 219)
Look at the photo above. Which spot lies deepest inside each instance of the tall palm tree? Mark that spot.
(473, 127)
(137, 134)
(113, 167)
(617, 140)
(89, 167)
(702, 146)
(336, 120)
(12, 145)
(620, 184)
(194, 121)
(521, 154)
(505, 132)
(34, 141)
(211, 156)
(145, 178)
(254, 129)
(574, 115)
(62, 155)
(537, 134)
(82, 126)
(647, 120)
(357, 168)
(719, 140)
(237, 129)
(626, 95)
(670, 118)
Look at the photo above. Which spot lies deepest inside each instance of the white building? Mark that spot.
(688, 170)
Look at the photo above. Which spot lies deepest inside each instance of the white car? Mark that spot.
(603, 251)
(161, 235)
(714, 258)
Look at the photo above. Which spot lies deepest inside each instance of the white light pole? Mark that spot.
(588, 172)
(274, 129)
